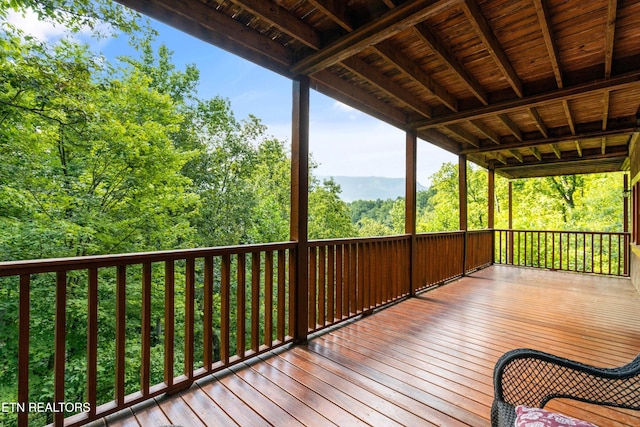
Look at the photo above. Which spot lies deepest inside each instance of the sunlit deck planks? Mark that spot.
(425, 361)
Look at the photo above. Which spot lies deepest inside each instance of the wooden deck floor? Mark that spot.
(425, 361)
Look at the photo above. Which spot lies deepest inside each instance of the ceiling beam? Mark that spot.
(571, 162)
(399, 60)
(391, 23)
(536, 153)
(517, 155)
(567, 111)
(484, 31)
(610, 34)
(444, 54)
(486, 131)
(533, 112)
(589, 131)
(623, 81)
(387, 85)
(336, 10)
(556, 150)
(605, 113)
(464, 135)
(500, 157)
(549, 39)
(513, 128)
(579, 148)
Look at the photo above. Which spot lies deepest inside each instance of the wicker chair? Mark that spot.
(533, 378)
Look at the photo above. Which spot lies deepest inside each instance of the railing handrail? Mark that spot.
(52, 265)
(562, 231)
(591, 252)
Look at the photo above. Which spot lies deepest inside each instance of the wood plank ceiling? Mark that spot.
(528, 87)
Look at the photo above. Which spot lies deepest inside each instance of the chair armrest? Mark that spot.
(533, 378)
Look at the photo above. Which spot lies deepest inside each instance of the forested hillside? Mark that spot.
(581, 202)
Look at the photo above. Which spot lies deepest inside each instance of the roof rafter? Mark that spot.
(533, 111)
(393, 22)
(517, 155)
(569, 114)
(336, 10)
(486, 131)
(513, 128)
(442, 52)
(392, 55)
(464, 135)
(329, 83)
(484, 31)
(283, 20)
(390, 87)
(547, 34)
(612, 11)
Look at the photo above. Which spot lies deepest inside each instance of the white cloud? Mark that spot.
(30, 24)
(47, 31)
(344, 109)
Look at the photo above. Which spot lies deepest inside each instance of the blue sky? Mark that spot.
(343, 141)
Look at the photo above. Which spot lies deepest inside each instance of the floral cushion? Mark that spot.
(536, 417)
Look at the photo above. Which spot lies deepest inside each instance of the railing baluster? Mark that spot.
(322, 260)
(268, 298)
(241, 297)
(255, 301)
(282, 261)
(121, 303)
(331, 286)
(339, 278)
(207, 312)
(92, 341)
(145, 326)
(361, 268)
(225, 308)
(169, 321)
(23, 348)
(189, 316)
(60, 341)
(312, 288)
(353, 279)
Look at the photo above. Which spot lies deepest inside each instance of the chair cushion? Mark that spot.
(536, 417)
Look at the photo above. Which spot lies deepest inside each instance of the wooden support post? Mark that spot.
(462, 191)
(300, 205)
(510, 236)
(411, 205)
(626, 203)
(491, 202)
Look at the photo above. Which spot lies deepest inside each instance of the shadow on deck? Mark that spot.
(425, 361)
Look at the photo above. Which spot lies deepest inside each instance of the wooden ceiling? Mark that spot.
(528, 87)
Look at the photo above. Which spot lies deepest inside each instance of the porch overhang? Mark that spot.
(528, 88)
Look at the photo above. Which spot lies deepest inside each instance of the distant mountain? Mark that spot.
(370, 187)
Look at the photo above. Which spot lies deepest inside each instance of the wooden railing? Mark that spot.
(153, 323)
(348, 277)
(577, 251)
(164, 319)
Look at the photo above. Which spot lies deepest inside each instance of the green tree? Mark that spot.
(329, 216)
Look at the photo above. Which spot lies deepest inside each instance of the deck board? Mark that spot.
(425, 361)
